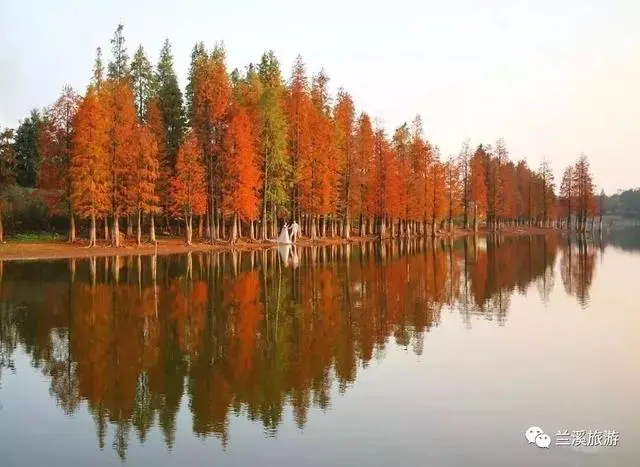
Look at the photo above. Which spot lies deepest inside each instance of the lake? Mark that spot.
(413, 352)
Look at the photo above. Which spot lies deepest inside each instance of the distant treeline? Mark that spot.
(624, 204)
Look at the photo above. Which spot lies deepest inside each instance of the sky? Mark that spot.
(552, 78)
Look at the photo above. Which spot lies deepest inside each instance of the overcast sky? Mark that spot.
(552, 78)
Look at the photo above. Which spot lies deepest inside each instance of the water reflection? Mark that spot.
(249, 334)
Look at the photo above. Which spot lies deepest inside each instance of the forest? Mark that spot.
(239, 152)
(625, 204)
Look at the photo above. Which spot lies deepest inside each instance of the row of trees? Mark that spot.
(244, 149)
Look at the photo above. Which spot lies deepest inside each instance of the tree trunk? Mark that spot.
(274, 222)
(252, 231)
(92, 233)
(116, 232)
(234, 230)
(264, 221)
(381, 227)
(187, 228)
(129, 226)
(466, 216)
(1, 227)
(139, 228)
(72, 227)
(152, 230)
(200, 226)
(314, 234)
(475, 218)
(106, 228)
(207, 224)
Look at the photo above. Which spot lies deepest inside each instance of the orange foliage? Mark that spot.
(364, 142)
(299, 110)
(188, 194)
(121, 147)
(89, 172)
(156, 126)
(242, 174)
(142, 190)
(438, 199)
(478, 193)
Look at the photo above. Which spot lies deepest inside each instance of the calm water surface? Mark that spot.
(407, 353)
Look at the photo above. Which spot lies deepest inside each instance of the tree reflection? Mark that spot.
(249, 334)
(577, 266)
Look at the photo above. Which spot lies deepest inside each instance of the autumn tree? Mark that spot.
(299, 114)
(156, 126)
(478, 185)
(464, 162)
(420, 159)
(242, 174)
(438, 193)
(453, 189)
(55, 149)
(344, 122)
(320, 169)
(583, 189)
(401, 145)
(211, 100)
(496, 188)
(508, 193)
(188, 188)
(376, 181)
(145, 171)
(384, 178)
(89, 171)
(567, 194)
(546, 175)
(121, 128)
(523, 205)
(364, 150)
(318, 165)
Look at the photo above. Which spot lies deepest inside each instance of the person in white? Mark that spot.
(284, 235)
(295, 229)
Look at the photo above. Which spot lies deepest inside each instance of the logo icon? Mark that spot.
(536, 435)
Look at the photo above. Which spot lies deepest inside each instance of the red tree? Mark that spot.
(242, 174)
(89, 172)
(188, 195)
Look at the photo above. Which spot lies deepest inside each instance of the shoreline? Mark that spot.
(28, 251)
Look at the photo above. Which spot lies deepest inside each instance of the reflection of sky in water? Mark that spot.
(465, 399)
